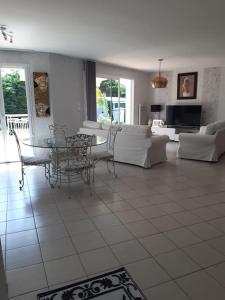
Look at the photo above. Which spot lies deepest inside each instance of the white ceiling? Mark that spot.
(131, 33)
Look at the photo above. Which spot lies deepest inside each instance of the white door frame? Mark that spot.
(2, 122)
(29, 97)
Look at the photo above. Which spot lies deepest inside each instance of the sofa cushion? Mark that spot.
(137, 129)
(212, 128)
(92, 124)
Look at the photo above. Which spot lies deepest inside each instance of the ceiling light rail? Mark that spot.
(6, 34)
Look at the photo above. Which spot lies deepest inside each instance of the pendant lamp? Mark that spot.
(159, 81)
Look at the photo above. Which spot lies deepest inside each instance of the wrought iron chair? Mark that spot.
(76, 163)
(108, 154)
(43, 161)
(58, 132)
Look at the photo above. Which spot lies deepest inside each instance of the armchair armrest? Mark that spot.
(164, 139)
(133, 141)
(201, 139)
(197, 146)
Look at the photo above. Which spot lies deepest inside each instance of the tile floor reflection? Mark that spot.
(166, 225)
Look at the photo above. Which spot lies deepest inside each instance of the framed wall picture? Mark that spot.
(41, 94)
(187, 85)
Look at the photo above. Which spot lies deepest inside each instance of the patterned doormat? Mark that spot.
(115, 285)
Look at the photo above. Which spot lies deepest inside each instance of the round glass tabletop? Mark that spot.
(46, 142)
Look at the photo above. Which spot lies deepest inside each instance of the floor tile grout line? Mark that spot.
(24, 294)
(39, 243)
(203, 221)
(173, 213)
(106, 244)
(166, 282)
(163, 231)
(222, 261)
(5, 249)
(200, 270)
(74, 246)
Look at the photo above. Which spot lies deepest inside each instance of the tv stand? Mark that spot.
(173, 132)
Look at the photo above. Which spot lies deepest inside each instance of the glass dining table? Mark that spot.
(63, 154)
(59, 143)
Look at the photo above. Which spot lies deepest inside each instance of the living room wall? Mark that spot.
(67, 91)
(210, 92)
(65, 86)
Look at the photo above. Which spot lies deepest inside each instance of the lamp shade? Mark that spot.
(159, 81)
(155, 108)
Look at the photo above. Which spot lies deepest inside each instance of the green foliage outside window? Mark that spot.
(105, 88)
(14, 92)
(101, 100)
(102, 107)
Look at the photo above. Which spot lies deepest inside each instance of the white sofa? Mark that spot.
(207, 145)
(134, 144)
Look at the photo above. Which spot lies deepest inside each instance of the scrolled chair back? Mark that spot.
(113, 130)
(13, 132)
(79, 145)
(58, 132)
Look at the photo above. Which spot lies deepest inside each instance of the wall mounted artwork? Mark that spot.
(187, 85)
(41, 94)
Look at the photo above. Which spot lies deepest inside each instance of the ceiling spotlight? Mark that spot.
(7, 35)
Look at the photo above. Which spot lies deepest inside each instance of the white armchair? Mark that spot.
(208, 145)
(137, 149)
(134, 144)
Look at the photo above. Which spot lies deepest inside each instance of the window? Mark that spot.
(114, 100)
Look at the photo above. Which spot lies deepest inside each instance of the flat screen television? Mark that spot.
(183, 115)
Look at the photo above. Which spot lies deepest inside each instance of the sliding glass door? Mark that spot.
(13, 111)
(114, 100)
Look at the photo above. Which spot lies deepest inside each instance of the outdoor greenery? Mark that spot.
(101, 100)
(14, 92)
(105, 88)
(102, 107)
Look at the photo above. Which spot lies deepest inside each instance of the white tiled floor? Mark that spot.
(166, 225)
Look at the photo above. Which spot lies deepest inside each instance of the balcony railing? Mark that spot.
(17, 121)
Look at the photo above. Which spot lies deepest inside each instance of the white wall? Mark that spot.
(141, 83)
(210, 92)
(221, 106)
(67, 91)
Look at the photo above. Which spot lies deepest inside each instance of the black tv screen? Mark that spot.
(183, 115)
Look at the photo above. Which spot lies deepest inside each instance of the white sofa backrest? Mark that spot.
(92, 124)
(220, 135)
(212, 128)
(144, 130)
(137, 130)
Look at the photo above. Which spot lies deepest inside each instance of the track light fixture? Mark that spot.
(7, 35)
